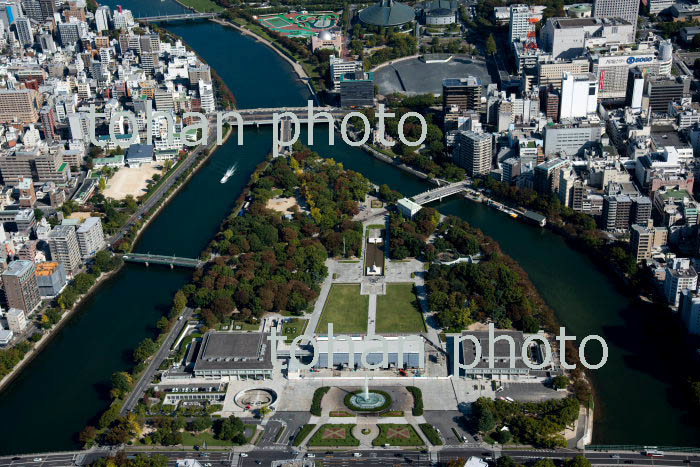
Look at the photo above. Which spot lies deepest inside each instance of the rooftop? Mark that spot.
(234, 350)
(47, 268)
(387, 13)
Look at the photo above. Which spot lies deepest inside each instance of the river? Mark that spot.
(66, 386)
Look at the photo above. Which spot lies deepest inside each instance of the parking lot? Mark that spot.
(445, 421)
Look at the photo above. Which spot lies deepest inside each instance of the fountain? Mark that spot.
(366, 400)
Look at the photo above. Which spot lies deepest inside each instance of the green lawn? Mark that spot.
(346, 309)
(334, 435)
(203, 6)
(397, 435)
(294, 328)
(190, 439)
(399, 311)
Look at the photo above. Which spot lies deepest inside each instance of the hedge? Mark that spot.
(303, 433)
(316, 402)
(417, 400)
(431, 433)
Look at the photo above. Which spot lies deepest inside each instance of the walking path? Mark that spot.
(372, 315)
(320, 301)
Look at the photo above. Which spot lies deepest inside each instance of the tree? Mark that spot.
(491, 47)
(545, 463)
(505, 461)
(145, 349)
(578, 461)
(229, 428)
(265, 411)
(88, 435)
(163, 324)
(121, 382)
(560, 382)
(38, 214)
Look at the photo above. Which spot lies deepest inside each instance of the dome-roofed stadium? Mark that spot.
(387, 13)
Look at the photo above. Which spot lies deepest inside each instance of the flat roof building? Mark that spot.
(51, 278)
(21, 289)
(239, 355)
(91, 238)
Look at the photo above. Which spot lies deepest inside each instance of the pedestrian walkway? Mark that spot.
(320, 301)
(372, 315)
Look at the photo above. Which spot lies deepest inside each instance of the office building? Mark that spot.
(39, 164)
(23, 27)
(63, 244)
(27, 194)
(550, 73)
(465, 93)
(546, 176)
(570, 139)
(522, 24)
(48, 8)
(473, 152)
(19, 106)
(662, 91)
(21, 289)
(48, 123)
(680, 275)
(625, 9)
(51, 278)
(689, 309)
(579, 95)
(641, 210)
(103, 14)
(357, 89)
(91, 238)
(69, 33)
(340, 67)
(635, 88)
(644, 239)
(612, 67)
(199, 72)
(47, 44)
(568, 38)
(616, 212)
(16, 320)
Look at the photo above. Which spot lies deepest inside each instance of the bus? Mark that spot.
(653, 453)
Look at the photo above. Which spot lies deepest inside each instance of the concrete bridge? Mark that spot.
(171, 261)
(177, 17)
(440, 192)
(264, 116)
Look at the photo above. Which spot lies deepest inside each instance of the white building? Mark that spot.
(206, 95)
(568, 38)
(680, 275)
(408, 208)
(102, 17)
(579, 95)
(339, 67)
(16, 320)
(91, 238)
(522, 24)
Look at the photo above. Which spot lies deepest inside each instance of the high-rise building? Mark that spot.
(32, 9)
(27, 195)
(465, 93)
(19, 106)
(635, 88)
(47, 44)
(199, 72)
(689, 308)
(48, 8)
(662, 91)
(91, 238)
(579, 95)
(680, 275)
(616, 212)
(20, 286)
(103, 14)
(69, 33)
(625, 9)
(522, 24)
(63, 244)
(206, 96)
(48, 123)
(641, 210)
(23, 27)
(357, 89)
(473, 152)
(547, 174)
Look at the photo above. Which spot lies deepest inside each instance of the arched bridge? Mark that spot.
(171, 261)
(178, 17)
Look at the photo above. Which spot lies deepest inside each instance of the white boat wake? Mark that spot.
(231, 170)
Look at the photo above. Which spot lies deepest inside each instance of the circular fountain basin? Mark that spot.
(375, 401)
(255, 398)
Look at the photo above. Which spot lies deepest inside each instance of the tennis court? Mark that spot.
(300, 24)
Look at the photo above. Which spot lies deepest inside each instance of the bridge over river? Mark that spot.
(177, 17)
(172, 261)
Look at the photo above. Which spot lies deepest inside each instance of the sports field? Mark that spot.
(300, 24)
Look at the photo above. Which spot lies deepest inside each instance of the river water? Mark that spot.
(66, 386)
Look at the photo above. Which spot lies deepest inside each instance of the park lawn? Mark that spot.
(327, 435)
(203, 6)
(399, 311)
(397, 433)
(294, 328)
(346, 309)
(190, 439)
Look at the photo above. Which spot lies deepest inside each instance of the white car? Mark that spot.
(357, 454)
(38, 459)
(243, 454)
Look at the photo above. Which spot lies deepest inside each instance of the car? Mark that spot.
(357, 454)
(243, 454)
(16, 458)
(615, 456)
(196, 447)
(38, 459)
(476, 438)
(310, 455)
